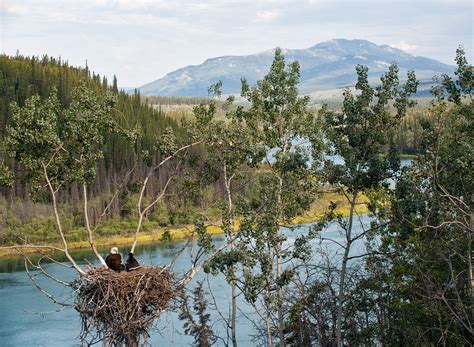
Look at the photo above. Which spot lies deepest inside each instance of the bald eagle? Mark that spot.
(114, 260)
(131, 263)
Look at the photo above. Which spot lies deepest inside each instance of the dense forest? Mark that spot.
(70, 138)
(22, 77)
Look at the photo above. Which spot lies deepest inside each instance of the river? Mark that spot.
(28, 318)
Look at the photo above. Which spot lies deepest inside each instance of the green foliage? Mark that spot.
(358, 133)
(33, 139)
(463, 86)
(422, 281)
(57, 146)
(166, 236)
(407, 136)
(204, 239)
(265, 136)
(166, 145)
(7, 178)
(83, 132)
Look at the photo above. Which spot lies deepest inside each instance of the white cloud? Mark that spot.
(404, 46)
(13, 7)
(267, 16)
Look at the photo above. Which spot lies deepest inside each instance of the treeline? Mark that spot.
(174, 100)
(408, 135)
(22, 77)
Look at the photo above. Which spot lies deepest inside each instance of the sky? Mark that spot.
(142, 40)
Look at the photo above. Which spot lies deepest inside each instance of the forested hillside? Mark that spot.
(22, 77)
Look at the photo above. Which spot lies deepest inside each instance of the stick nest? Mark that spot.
(120, 307)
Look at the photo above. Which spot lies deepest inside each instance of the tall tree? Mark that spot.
(231, 155)
(57, 148)
(276, 121)
(358, 135)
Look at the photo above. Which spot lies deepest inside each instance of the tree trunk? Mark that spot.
(268, 330)
(58, 222)
(342, 277)
(469, 260)
(233, 313)
(281, 322)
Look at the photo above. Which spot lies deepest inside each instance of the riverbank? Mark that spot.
(409, 156)
(164, 234)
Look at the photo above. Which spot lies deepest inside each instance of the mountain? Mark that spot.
(324, 66)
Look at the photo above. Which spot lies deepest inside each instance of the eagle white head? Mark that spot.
(114, 250)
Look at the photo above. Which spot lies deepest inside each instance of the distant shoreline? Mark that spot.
(408, 156)
(182, 232)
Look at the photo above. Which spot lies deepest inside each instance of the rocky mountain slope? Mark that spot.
(324, 66)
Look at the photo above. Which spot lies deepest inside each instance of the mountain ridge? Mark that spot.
(325, 65)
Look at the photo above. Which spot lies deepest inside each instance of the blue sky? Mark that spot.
(142, 40)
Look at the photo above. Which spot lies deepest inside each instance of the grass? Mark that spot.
(408, 156)
(319, 207)
(152, 232)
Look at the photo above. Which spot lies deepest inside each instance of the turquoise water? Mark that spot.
(28, 318)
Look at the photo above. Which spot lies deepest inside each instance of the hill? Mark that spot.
(324, 66)
(22, 77)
